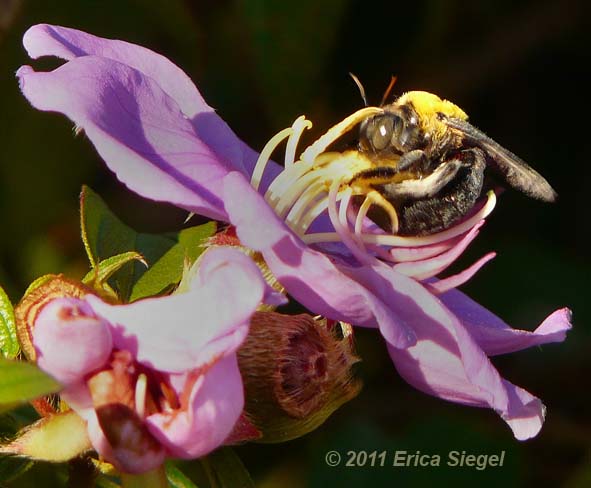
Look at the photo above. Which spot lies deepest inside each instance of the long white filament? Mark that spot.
(265, 156)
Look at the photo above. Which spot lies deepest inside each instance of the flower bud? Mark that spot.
(39, 294)
(297, 372)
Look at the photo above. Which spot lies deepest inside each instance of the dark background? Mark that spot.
(519, 69)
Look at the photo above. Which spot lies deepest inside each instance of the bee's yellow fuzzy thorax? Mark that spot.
(428, 105)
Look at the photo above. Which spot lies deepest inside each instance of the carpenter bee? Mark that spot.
(430, 163)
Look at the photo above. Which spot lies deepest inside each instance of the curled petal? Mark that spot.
(214, 405)
(70, 340)
(51, 40)
(494, 336)
(63, 42)
(136, 127)
(308, 275)
(448, 363)
(181, 332)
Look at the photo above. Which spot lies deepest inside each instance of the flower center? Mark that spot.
(128, 383)
(321, 180)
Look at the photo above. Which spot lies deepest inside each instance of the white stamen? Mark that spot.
(299, 126)
(336, 131)
(302, 205)
(265, 156)
(296, 190)
(390, 240)
(314, 211)
(402, 241)
(141, 386)
(361, 215)
(343, 216)
(342, 229)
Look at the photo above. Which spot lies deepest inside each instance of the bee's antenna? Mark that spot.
(388, 90)
(360, 87)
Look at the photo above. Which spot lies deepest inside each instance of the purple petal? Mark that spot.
(182, 332)
(214, 405)
(494, 336)
(62, 42)
(69, 324)
(448, 363)
(49, 40)
(138, 130)
(309, 276)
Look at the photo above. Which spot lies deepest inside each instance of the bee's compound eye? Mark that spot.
(382, 133)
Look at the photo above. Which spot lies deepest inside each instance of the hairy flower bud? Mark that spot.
(40, 293)
(297, 372)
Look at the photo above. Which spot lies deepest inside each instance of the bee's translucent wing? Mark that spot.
(516, 172)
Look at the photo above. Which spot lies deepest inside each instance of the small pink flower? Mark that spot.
(158, 377)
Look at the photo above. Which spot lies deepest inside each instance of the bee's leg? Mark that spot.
(439, 210)
(428, 186)
(415, 160)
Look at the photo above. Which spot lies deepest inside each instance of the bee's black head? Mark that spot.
(396, 131)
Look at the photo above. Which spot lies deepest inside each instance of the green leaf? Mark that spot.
(105, 236)
(98, 276)
(168, 269)
(220, 469)
(225, 470)
(8, 339)
(177, 478)
(21, 382)
(12, 467)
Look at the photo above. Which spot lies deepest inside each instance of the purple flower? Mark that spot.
(158, 377)
(154, 130)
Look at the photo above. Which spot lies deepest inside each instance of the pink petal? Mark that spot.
(494, 336)
(70, 340)
(50, 40)
(309, 276)
(215, 403)
(62, 42)
(446, 362)
(182, 332)
(79, 399)
(138, 130)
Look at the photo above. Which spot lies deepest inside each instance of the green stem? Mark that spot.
(152, 479)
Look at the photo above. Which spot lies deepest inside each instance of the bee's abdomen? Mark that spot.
(437, 213)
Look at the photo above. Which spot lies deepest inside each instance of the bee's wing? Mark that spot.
(516, 172)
